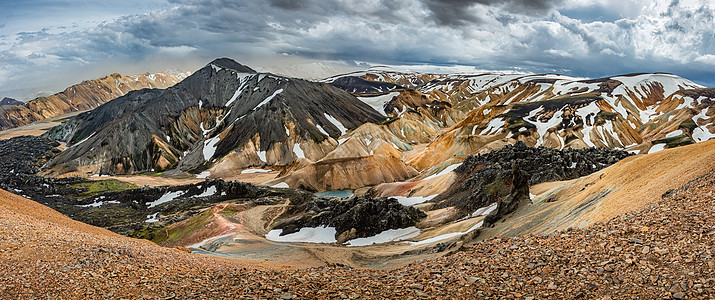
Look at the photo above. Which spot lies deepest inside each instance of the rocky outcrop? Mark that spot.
(224, 108)
(353, 217)
(504, 176)
(83, 96)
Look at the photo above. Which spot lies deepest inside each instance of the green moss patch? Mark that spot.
(91, 188)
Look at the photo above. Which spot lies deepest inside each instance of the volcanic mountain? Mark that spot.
(225, 115)
(83, 96)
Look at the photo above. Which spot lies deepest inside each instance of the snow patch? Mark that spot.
(84, 140)
(250, 171)
(378, 103)
(656, 148)
(409, 201)
(262, 155)
(337, 123)
(493, 127)
(702, 133)
(203, 174)
(281, 185)
(169, 196)
(584, 112)
(445, 171)
(320, 128)
(486, 210)
(386, 236)
(447, 235)
(298, 151)
(674, 133)
(98, 203)
(543, 127)
(243, 79)
(210, 147)
(210, 191)
(152, 218)
(321, 234)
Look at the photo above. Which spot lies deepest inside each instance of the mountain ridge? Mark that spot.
(83, 96)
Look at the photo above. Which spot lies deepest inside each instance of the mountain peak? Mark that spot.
(10, 101)
(228, 63)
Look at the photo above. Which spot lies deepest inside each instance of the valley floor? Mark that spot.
(662, 250)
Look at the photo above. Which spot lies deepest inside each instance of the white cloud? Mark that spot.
(558, 52)
(609, 51)
(707, 59)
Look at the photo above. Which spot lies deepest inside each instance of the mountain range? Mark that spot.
(226, 117)
(381, 169)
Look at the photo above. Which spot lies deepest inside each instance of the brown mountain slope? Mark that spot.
(83, 96)
(627, 185)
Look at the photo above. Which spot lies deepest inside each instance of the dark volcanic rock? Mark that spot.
(361, 216)
(504, 176)
(357, 85)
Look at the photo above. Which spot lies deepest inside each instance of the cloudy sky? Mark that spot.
(46, 45)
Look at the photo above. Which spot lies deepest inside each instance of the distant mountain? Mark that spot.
(10, 101)
(225, 115)
(83, 96)
(638, 112)
(357, 85)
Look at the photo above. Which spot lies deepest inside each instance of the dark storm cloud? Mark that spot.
(452, 12)
(459, 12)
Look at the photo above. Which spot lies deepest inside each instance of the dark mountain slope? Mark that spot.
(222, 108)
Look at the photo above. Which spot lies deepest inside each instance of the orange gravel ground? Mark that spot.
(664, 250)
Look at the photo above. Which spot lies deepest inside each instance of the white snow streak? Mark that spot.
(386, 236)
(251, 171)
(337, 123)
(447, 235)
(269, 98)
(445, 171)
(409, 201)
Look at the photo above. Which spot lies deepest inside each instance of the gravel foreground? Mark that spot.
(662, 251)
